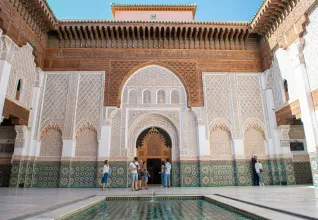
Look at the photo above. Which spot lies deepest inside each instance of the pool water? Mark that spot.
(161, 209)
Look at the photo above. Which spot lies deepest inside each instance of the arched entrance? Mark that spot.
(153, 145)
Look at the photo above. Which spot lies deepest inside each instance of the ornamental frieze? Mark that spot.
(149, 53)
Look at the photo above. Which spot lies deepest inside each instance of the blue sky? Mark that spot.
(224, 10)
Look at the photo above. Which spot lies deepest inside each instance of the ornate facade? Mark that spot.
(74, 93)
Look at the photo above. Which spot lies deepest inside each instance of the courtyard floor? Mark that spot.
(277, 202)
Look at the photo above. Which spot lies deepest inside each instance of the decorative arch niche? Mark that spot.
(254, 140)
(51, 141)
(147, 122)
(86, 142)
(220, 142)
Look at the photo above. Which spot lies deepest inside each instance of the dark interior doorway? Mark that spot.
(154, 169)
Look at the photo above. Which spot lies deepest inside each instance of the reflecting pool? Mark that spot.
(159, 209)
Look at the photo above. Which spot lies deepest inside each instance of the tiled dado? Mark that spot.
(314, 167)
(303, 173)
(80, 174)
(5, 176)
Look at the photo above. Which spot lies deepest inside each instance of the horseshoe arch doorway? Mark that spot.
(153, 145)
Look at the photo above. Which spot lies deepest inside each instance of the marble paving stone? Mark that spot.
(16, 202)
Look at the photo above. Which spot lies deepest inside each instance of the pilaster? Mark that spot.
(273, 144)
(307, 108)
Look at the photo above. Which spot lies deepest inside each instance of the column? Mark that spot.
(7, 51)
(308, 116)
(32, 145)
(103, 147)
(273, 144)
(104, 142)
(285, 165)
(204, 158)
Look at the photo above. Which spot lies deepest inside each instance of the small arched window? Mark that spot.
(286, 90)
(161, 97)
(18, 91)
(132, 97)
(146, 97)
(175, 97)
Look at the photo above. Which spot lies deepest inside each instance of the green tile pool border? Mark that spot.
(227, 207)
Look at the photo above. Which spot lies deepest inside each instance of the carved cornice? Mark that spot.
(281, 23)
(113, 34)
(286, 114)
(24, 24)
(11, 109)
(152, 7)
(35, 13)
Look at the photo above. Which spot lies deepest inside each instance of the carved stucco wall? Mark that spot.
(90, 96)
(87, 144)
(55, 100)
(220, 144)
(234, 101)
(154, 95)
(189, 134)
(153, 78)
(115, 149)
(24, 68)
(276, 83)
(311, 47)
(51, 144)
(254, 143)
(72, 102)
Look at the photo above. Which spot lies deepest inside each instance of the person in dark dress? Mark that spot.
(151, 173)
(255, 176)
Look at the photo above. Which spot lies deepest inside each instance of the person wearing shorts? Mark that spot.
(133, 166)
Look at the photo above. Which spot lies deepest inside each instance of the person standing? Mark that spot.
(259, 170)
(167, 173)
(255, 176)
(146, 174)
(134, 175)
(163, 173)
(105, 175)
(140, 174)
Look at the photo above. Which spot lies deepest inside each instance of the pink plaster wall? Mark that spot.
(160, 15)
